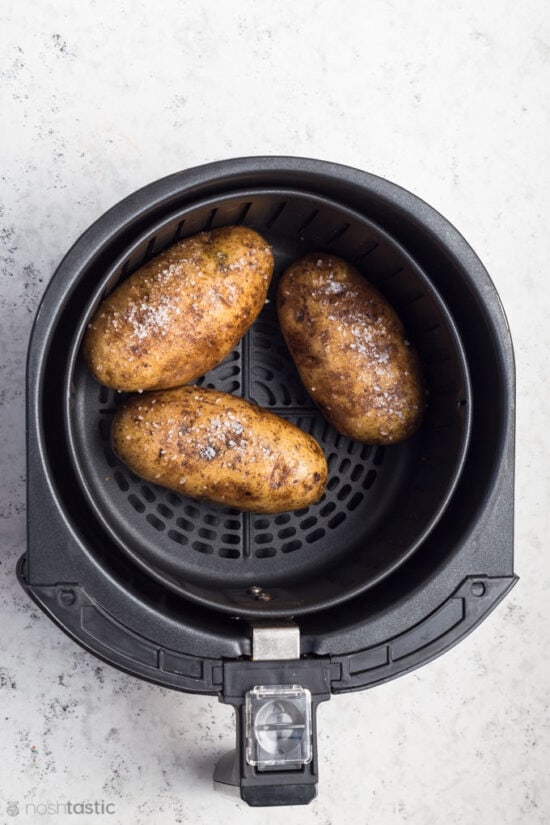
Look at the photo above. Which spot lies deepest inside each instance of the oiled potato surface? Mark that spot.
(211, 445)
(351, 350)
(179, 315)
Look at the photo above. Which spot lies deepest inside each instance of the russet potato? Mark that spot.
(182, 313)
(351, 350)
(211, 445)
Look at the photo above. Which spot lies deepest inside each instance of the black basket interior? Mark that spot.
(380, 503)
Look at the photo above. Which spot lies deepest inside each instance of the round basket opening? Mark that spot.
(380, 503)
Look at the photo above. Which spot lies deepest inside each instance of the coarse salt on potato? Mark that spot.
(351, 350)
(211, 445)
(182, 313)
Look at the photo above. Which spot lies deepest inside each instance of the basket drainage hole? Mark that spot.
(344, 466)
(104, 429)
(136, 503)
(333, 483)
(155, 522)
(355, 501)
(173, 499)
(316, 535)
(201, 547)
(369, 479)
(231, 538)
(284, 518)
(365, 452)
(265, 552)
(165, 511)
(177, 536)
(206, 534)
(103, 395)
(121, 481)
(287, 532)
(264, 538)
(291, 546)
(336, 520)
(228, 553)
(331, 460)
(184, 524)
(344, 492)
(148, 494)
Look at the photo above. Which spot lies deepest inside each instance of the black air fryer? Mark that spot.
(411, 545)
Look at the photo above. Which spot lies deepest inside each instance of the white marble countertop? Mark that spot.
(451, 101)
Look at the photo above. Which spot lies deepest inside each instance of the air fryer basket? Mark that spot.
(408, 549)
(380, 502)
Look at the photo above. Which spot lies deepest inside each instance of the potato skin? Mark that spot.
(211, 445)
(351, 351)
(179, 315)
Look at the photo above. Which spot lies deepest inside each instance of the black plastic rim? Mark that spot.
(108, 521)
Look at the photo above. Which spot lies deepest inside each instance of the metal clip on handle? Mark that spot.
(275, 697)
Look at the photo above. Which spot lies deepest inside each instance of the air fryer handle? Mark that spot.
(263, 788)
(266, 785)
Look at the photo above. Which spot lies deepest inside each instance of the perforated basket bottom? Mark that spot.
(175, 530)
(379, 502)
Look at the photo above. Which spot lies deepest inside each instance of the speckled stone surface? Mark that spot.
(451, 101)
